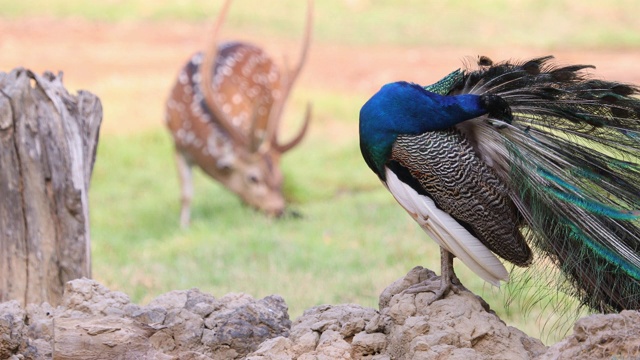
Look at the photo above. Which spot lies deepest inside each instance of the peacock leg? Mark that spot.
(448, 280)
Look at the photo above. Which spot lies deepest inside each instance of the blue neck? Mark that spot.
(404, 108)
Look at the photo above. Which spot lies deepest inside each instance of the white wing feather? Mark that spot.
(447, 232)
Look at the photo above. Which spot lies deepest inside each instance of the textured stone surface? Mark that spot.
(93, 322)
(612, 336)
(457, 327)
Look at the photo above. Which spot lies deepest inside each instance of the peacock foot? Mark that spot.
(439, 287)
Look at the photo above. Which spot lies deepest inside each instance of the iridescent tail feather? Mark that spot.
(570, 154)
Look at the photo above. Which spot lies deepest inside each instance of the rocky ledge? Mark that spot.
(95, 323)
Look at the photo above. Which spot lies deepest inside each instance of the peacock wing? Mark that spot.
(442, 170)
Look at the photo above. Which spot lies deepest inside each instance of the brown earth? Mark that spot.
(131, 66)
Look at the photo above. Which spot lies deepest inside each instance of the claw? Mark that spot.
(448, 280)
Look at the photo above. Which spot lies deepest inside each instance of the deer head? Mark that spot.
(224, 114)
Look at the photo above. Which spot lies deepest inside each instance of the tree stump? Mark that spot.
(48, 141)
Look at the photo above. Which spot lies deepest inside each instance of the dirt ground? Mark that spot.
(131, 66)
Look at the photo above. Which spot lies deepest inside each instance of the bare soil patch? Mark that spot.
(131, 66)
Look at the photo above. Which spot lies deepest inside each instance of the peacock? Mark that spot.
(501, 161)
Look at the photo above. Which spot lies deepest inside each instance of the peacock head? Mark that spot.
(405, 108)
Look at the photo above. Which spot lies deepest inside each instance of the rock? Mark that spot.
(611, 336)
(457, 327)
(368, 344)
(279, 348)
(12, 326)
(93, 322)
(104, 337)
(86, 297)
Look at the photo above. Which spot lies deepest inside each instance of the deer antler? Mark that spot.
(206, 70)
(290, 76)
(296, 140)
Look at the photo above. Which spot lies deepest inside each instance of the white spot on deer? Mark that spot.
(226, 108)
(253, 92)
(241, 83)
(196, 77)
(241, 118)
(259, 79)
(189, 137)
(195, 108)
(183, 78)
(197, 59)
(218, 79)
(227, 71)
(237, 56)
(236, 99)
(180, 134)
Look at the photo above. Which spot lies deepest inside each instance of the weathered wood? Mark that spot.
(48, 141)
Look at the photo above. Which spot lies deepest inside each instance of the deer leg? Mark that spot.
(186, 188)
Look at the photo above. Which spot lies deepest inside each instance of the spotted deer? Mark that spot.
(224, 113)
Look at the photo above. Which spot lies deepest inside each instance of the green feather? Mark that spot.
(444, 86)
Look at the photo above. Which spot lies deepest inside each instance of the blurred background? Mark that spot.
(352, 239)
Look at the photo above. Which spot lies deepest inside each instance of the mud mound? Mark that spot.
(95, 323)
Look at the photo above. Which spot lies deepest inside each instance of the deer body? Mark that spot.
(223, 113)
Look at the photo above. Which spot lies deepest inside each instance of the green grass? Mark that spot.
(552, 24)
(138, 246)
